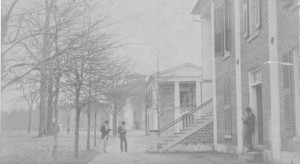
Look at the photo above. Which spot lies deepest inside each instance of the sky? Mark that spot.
(163, 28)
(156, 31)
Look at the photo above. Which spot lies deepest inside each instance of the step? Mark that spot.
(208, 115)
(186, 129)
(179, 133)
(199, 122)
(167, 140)
(193, 125)
(253, 156)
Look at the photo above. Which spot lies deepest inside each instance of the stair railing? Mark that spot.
(187, 119)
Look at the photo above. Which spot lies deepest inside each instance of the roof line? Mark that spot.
(177, 67)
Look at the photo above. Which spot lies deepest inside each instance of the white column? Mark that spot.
(176, 104)
(198, 93)
(110, 120)
(155, 119)
(198, 99)
(206, 58)
(212, 11)
(238, 74)
(274, 81)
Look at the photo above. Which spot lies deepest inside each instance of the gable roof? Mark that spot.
(200, 7)
(176, 68)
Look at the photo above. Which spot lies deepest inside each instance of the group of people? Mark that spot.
(249, 121)
(122, 135)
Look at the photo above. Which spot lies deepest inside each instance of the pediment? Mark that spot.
(185, 70)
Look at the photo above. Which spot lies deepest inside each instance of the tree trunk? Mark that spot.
(95, 128)
(68, 129)
(43, 80)
(50, 107)
(115, 123)
(89, 120)
(146, 121)
(77, 119)
(29, 120)
(55, 145)
(43, 96)
(89, 129)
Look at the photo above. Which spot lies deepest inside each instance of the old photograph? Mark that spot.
(150, 82)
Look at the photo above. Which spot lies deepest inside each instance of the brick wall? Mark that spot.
(288, 32)
(254, 53)
(225, 73)
(203, 135)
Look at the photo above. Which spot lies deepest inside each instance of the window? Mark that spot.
(256, 77)
(288, 94)
(223, 30)
(226, 27)
(252, 17)
(227, 108)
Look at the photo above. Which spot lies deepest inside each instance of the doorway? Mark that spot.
(259, 115)
(257, 107)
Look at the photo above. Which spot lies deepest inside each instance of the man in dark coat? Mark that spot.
(105, 133)
(122, 134)
(249, 122)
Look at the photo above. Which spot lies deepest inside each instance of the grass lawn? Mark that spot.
(19, 147)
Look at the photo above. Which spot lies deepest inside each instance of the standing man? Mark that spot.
(122, 134)
(105, 133)
(249, 122)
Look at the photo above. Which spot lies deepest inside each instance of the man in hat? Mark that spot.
(105, 133)
(122, 134)
(249, 122)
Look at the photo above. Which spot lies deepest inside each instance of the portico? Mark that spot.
(173, 92)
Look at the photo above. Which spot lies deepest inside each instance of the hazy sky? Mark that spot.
(155, 26)
(164, 26)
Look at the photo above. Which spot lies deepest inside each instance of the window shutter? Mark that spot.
(258, 14)
(246, 18)
(227, 106)
(289, 112)
(227, 25)
(219, 40)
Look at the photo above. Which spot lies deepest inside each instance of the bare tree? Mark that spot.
(119, 94)
(87, 66)
(30, 93)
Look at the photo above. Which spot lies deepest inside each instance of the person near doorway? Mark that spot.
(105, 133)
(122, 134)
(249, 122)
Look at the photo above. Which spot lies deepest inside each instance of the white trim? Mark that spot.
(175, 68)
(214, 76)
(177, 104)
(238, 74)
(274, 81)
(253, 101)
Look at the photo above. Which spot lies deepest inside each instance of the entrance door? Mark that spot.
(259, 115)
(257, 106)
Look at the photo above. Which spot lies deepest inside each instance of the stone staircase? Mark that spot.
(194, 122)
(168, 142)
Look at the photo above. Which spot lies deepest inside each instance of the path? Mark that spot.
(137, 154)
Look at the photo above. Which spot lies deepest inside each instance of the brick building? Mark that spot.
(255, 62)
